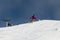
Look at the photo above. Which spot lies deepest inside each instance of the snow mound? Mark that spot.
(39, 30)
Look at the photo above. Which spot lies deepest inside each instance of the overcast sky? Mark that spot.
(19, 11)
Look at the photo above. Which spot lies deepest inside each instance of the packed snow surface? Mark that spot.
(39, 30)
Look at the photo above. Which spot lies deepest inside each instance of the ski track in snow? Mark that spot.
(39, 30)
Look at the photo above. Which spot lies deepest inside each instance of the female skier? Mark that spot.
(32, 18)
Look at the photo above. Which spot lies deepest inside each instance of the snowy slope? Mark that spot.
(39, 30)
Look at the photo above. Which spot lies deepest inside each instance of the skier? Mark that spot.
(9, 24)
(32, 18)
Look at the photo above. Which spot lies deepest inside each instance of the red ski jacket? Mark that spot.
(33, 17)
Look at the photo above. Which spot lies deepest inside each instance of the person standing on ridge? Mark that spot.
(32, 18)
(9, 24)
